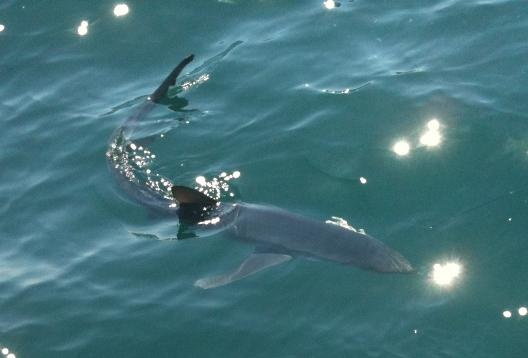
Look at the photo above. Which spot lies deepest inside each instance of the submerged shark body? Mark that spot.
(278, 235)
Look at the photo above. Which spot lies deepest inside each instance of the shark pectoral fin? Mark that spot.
(254, 263)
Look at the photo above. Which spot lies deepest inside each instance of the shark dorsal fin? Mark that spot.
(194, 205)
(188, 196)
(161, 91)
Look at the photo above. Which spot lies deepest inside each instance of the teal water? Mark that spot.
(303, 101)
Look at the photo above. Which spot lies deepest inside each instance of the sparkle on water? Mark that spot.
(200, 180)
(134, 163)
(217, 186)
(432, 137)
(329, 4)
(445, 274)
(363, 180)
(401, 147)
(507, 314)
(433, 125)
(2, 27)
(343, 223)
(5, 352)
(82, 30)
(188, 84)
(212, 221)
(522, 311)
(121, 10)
(341, 91)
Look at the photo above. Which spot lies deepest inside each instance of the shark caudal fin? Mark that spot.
(161, 91)
(194, 205)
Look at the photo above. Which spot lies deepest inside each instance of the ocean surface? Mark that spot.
(407, 119)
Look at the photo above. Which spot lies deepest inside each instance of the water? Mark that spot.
(303, 101)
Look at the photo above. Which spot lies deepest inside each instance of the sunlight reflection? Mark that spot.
(432, 137)
(217, 186)
(363, 180)
(335, 91)
(121, 10)
(342, 91)
(507, 314)
(134, 163)
(336, 220)
(188, 84)
(445, 274)
(523, 311)
(200, 180)
(2, 27)
(5, 352)
(433, 125)
(401, 147)
(329, 4)
(82, 30)
(212, 221)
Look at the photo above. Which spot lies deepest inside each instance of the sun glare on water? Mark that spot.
(329, 4)
(6, 353)
(82, 29)
(121, 10)
(432, 137)
(401, 147)
(217, 186)
(445, 274)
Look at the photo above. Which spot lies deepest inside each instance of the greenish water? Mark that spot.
(303, 101)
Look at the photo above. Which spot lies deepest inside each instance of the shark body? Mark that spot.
(278, 234)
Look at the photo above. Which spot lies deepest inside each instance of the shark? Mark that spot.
(278, 234)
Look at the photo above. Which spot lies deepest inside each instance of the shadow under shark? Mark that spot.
(279, 235)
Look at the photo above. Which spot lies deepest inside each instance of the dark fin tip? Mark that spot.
(194, 205)
(184, 195)
(162, 90)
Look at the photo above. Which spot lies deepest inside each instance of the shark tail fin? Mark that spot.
(194, 205)
(162, 90)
